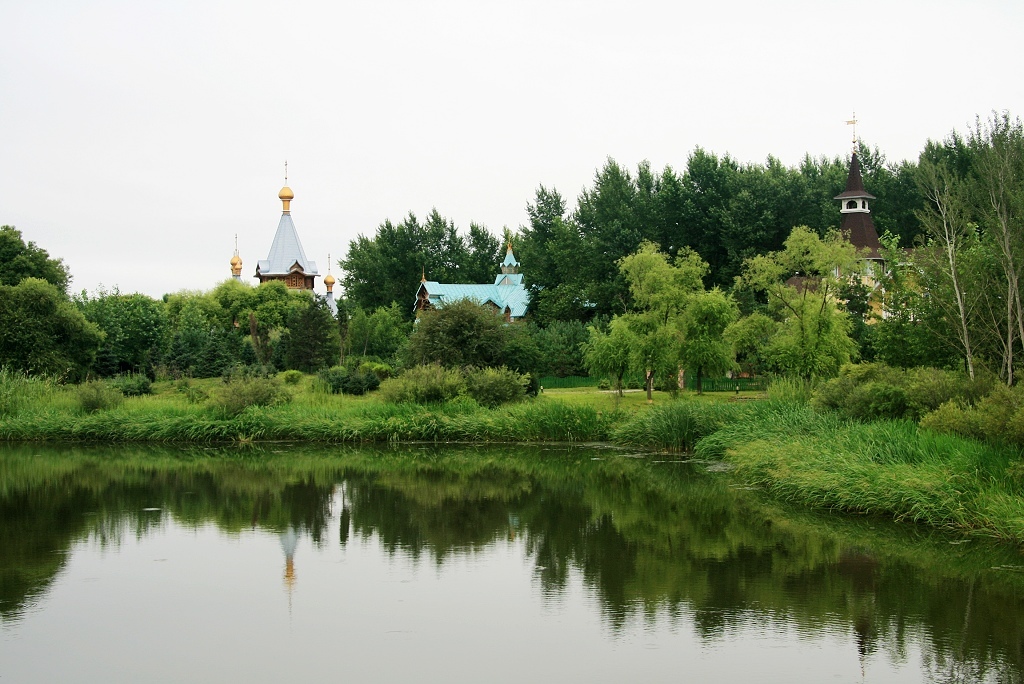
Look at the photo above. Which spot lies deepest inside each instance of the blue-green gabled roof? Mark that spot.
(513, 297)
(507, 292)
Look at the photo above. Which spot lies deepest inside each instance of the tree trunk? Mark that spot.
(946, 222)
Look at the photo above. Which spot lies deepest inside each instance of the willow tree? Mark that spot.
(704, 349)
(803, 282)
(660, 289)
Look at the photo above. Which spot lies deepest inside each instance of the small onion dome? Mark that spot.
(286, 193)
(329, 281)
(236, 260)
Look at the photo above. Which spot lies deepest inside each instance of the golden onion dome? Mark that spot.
(286, 193)
(236, 260)
(329, 280)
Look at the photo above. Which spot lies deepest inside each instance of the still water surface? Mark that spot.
(496, 565)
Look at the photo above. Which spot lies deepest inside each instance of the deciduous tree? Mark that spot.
(42, 332)
(20, 260)
(802, 283)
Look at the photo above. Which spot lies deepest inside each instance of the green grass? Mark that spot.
(889, 468)
(779, 444)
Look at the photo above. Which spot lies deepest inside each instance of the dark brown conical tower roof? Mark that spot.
(856, 223)
(854, 182)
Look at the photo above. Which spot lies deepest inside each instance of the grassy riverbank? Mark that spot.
(889, 468)
(53, 413)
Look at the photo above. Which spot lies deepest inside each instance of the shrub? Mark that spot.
(493, 387)
(193, 394)
(133, 384)
(428, 384)
(332, 379)
(97, 395)
(382, 370)
(241, 372)
(291, 377)
(359, 382)
(239, 394)
(870, 391)
(999, 417)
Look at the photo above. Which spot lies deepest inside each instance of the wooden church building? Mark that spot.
(507, 295)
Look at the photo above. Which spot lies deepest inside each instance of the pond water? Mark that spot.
(423, 564)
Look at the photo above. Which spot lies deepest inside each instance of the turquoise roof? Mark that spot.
(513, 297)
(508, 279)
(510, 259)
(507, 291)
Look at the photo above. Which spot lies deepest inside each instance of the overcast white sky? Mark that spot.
(137, 138)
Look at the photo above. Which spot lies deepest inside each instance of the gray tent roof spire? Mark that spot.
(286, 253)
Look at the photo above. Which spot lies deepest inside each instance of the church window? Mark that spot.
(852, 204)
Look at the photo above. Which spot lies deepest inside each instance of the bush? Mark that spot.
(999, 417)
(493, 387)
(382, 370)
(870, 391)
(332, 379)
(429, 384)
(194, 395)
(239, 394)
(133, 384)
(241, 372)
(604, 384)
(291, 377)
(98, 396)
(359, 383)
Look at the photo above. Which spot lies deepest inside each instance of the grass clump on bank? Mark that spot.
(19, 391)
(678, 425)
(891, 468)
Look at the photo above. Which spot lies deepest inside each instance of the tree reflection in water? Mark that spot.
(647, 538)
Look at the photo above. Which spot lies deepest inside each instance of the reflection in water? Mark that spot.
(289, 540)
(661, 545)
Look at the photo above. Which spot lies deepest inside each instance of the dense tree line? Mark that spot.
(647, 273)
(957, 294)
(724, 210)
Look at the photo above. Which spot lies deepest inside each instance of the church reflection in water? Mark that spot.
(639, 534)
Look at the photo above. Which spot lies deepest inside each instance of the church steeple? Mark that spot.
(286, 195)
(287, 261)
(856, 223)
(329, 284)
(509, 265)
(236, 262)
